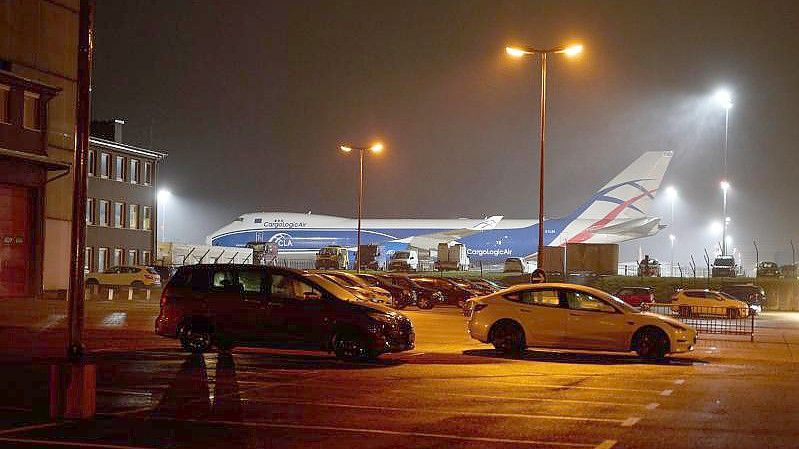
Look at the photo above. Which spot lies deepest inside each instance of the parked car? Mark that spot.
(425, 297)
(254, 305)
(695, 302)
(366, 294)
(636, 296)
(569, 316)
(724, 267)
(401, 297)
(454, 293)
(382, 295)
(136, 276)
(751, 294)
(768, 270)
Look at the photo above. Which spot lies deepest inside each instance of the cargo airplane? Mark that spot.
(617, 212)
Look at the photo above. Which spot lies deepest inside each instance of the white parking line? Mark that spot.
(629, 422)
(444, 436)
(652, 406)
(575, 387)
(31, 427)
(679, 381)
(607, 444)
(442, 412)
(70, 443)
(571, 401)
(666, 392)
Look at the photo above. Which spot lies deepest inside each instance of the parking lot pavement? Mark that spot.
(449, 392)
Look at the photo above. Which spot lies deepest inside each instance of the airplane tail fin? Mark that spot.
(630, 193)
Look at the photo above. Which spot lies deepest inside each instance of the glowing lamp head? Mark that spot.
(573, 50)
(724, 98)
(724, 186)
(716, 227)
(515, 52)
(345, 148)
(671, 192)
(164, 195)
(672, 237)
(376, 148)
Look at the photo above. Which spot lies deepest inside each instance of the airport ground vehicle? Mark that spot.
(405, 260)
(695, 302)
(648, 267)
(452, 257)
(636, 296)
(136, 276)
(426, 297)
(753, 295)
(515, 265)
(332, 257)
(454, 293)
(723, 267)
(372, 257)
(230, 305)
(768, 270)
(570, 316)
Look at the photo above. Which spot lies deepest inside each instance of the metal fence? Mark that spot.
(708, 319)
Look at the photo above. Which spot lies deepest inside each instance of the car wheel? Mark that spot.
(137, 284)
(425, 304)
(351, 346)
(651, 343)
(508, 337)
(195, 338)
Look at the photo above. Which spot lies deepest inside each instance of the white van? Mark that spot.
(404, 260)
(516, 265)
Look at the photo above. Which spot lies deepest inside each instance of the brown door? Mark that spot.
(15, 241)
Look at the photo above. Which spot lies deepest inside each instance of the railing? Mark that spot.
(709, 319)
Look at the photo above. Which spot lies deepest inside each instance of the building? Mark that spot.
(121, 206)
(38, 84)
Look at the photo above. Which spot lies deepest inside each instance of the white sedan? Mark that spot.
(570, 316)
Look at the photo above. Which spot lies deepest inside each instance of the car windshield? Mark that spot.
(725, 262)
(727, 296)
(328, 251)
(619, 304)
(332, 288)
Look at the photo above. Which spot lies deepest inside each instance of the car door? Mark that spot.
(295, 312)
(594, 324)
(229, 314)
(542, 315)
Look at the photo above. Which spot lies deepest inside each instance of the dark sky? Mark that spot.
(251, 99)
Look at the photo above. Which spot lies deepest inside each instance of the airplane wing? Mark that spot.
(431, 241)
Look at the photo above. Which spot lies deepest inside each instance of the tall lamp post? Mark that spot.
(724, 98)
(672, 238)
(376, 148)
(725, 186)
(163, 197)
(518, 52)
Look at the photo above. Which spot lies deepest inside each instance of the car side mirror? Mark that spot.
(311, 296)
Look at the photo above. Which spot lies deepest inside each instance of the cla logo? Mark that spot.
(282, 240)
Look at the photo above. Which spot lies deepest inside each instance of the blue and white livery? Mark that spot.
(616, 213)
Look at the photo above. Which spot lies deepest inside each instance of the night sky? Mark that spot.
(251, 100)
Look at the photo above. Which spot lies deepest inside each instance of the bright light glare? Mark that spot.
(376, 148)
(671, 192)
(164, 195)
(728, 240)
(672, 237)
(515, 52)
(573, 50)
(723, 97)
(725, 185)
(345, 148)
(716, 228)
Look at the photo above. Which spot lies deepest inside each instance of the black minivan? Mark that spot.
(253, 305)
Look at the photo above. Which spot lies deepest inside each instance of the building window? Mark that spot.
(118, 255)
(5, 93)
(145, 257)
(90, 205)
(119, 215)
(134, 171)
(105, 213)
(133, 257)
(87, 259)
(133, 216)
(30, 112)
(146, 218)
(119, 168)
(102, 259)
(90, 165)
(148, 173)
(105, 165)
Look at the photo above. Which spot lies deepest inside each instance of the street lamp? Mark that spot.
(376, 148)
(163, 196)
(671, 193)
(519, 52)
(725, 186)
(672, 238)
(724, 98)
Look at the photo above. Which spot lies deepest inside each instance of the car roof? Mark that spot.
(562, 285)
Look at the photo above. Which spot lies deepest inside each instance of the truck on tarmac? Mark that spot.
(452, 256)
(404, 260)
(332, 257)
